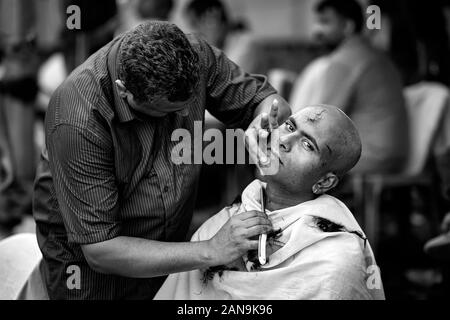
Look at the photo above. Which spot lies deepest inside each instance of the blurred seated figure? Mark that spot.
(18, 89)
(134, 12)
(318, 250)
(360, 79)
(19, 276)
(211, 20)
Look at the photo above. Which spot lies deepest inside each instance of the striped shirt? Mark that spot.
(107, 173)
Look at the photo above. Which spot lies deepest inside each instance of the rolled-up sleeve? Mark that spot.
(232, 94)
(83, 171)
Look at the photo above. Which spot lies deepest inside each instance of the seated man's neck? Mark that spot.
(277, 198)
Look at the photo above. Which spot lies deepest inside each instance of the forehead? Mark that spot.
(319, 123)
(312, 115)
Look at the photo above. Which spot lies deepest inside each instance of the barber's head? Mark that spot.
(158, 69)
(317, 147)
(337, 20)
(210, 19)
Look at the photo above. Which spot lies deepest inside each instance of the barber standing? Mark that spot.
(108, 198)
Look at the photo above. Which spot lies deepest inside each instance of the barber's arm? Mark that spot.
(83, 171)
(236, 97)
(141, 258)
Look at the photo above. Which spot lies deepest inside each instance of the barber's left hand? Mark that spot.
(269, 122)
(257, 139)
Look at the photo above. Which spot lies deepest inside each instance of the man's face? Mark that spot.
(305, 147)
(159, 107)
(329, 29)
(211, 27)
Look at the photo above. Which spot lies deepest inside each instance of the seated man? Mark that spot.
(319, 250)
(362, 81)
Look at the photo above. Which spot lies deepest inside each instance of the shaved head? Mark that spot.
(318, 145)
(343, 141)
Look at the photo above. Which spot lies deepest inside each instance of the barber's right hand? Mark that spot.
(232, 241)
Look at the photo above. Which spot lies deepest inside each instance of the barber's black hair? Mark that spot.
(157, 60)
(198, 8)
(349, 9)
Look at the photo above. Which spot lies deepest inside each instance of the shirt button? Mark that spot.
(166, 189)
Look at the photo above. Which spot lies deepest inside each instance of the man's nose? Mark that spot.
(285, 143)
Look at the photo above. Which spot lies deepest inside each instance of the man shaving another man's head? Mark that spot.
(318, 250)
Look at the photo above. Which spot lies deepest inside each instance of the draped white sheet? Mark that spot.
(311, 264)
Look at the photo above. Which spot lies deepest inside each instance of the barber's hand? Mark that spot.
(269, 122)
(256, 140)
(232, 241)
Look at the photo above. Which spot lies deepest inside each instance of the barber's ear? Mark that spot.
(325, 184)
(123, 91)
(349, 28)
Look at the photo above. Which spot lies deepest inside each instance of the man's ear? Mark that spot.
(349, 28)
(325, 184)
(123, 91)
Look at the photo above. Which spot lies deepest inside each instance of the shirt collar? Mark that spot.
(121, 106)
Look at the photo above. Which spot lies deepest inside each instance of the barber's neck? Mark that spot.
(278, 198)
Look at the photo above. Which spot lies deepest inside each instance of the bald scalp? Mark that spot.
(345, 141)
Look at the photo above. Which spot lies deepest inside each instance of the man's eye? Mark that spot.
(289, 126)
(308, 146)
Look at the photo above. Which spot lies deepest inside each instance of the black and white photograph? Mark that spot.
(241, 152)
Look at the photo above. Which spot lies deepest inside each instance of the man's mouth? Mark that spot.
(273, 154)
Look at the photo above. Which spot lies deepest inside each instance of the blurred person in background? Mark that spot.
(397, 38)
(133, 12)
(360, 79)
(19, 63)
(103, 20)
(211, 20)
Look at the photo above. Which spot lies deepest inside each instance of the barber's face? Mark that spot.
(329, 29)
(304, 148)
(160, 107)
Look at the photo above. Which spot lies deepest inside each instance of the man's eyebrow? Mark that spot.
(291, 119)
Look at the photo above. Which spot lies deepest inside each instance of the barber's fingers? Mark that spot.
(257, 221)
(251, 141)
(252, 245)
(265, 122)
(273, 116)
(258, 230)
(250, 214)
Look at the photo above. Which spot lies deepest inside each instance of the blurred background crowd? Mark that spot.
(393, 82)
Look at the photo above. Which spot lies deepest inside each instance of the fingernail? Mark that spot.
(263, 159)
(264, 134)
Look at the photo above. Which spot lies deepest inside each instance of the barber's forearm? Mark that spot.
(284, 110)
(141, 258)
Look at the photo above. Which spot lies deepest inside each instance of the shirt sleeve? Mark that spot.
(232, 94)
(83, 173)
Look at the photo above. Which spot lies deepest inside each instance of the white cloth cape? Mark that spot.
(311, 265)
